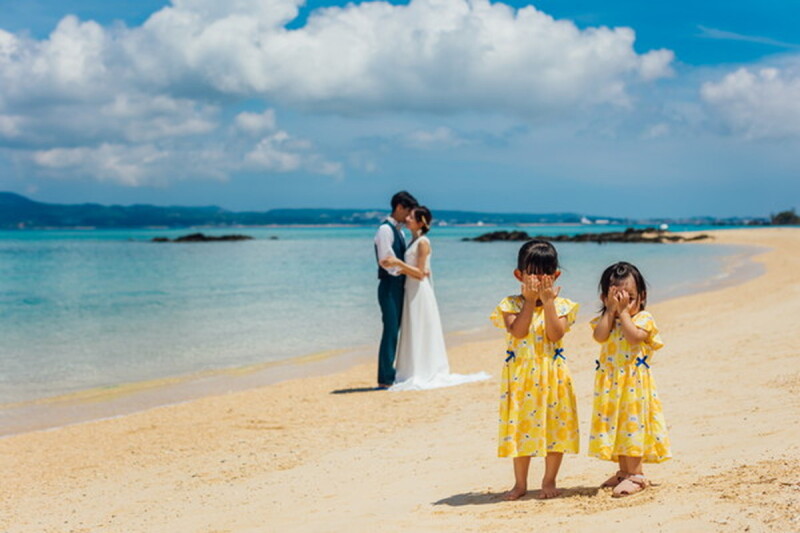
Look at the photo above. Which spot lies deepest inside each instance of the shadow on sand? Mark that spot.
(483, 498)
(357, 389)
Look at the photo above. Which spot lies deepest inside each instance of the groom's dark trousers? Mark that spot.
(391, 290)
(390, 296)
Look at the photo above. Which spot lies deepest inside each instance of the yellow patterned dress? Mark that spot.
(538, 412)
(627, 417)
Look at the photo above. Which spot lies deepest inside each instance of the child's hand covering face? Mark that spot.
(547, 291)
(611, 301)
(530, 287)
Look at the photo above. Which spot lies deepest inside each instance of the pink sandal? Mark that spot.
(614, 480)
(630, 485)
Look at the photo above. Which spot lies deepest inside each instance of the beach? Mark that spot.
(324, 453)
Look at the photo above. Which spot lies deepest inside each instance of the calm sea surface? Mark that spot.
(83, 309)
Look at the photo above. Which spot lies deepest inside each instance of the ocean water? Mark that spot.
(85, 309)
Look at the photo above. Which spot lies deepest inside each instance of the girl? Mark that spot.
(421, 354)
(627, 423)
(538, 416)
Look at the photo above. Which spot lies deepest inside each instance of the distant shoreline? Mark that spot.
(371, 225)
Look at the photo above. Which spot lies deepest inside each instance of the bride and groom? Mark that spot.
(412, 328)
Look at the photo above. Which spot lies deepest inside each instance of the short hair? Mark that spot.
(537, 256)
(405, 199)
(619, 272)
(423, 215)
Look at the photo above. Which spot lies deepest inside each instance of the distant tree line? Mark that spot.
(785, 218)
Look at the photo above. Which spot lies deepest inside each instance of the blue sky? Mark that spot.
(614, 108)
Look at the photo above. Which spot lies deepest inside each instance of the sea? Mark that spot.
(87, 309)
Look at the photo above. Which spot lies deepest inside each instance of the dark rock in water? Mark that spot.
(200, 237)
(651, 235)
(501, 236)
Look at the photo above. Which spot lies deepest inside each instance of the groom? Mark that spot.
(389, 241)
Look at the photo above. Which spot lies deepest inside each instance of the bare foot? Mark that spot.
(515, 493)
(549, 490)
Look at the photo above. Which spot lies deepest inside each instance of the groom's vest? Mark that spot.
(398, 246)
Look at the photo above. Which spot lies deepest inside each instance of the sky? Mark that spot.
(614, 108)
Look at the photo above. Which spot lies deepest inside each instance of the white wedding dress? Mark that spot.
(421, 354)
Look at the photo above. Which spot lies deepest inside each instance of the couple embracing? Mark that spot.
(412, 352)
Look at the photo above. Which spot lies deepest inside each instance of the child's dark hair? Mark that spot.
(537, 257)
(616, 274)
(423, 215)
(405, 199)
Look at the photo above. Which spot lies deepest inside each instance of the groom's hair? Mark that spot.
(537, 256)
(405, 199)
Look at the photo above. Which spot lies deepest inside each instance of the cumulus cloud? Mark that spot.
(87, 92)
(430, 55)
(254, 123)
(758, 103)
(122, 164)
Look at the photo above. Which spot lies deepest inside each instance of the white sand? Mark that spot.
(294, 457)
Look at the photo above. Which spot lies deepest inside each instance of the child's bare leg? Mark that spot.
(614, 480)
(551, 465)
(632, 465)
(521, 466)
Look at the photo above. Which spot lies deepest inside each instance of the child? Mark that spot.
(538, 416)
(627, 423)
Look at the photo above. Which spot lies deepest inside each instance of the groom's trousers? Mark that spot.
(390, 298)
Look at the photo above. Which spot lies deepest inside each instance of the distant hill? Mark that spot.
(19, 212)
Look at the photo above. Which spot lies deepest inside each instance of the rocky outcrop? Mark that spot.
(200, 237)
(651, 235)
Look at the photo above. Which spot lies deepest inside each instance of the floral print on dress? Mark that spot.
(538, 412)
(627, 415)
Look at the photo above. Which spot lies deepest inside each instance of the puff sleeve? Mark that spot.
(644, 320)
(509, 304)
(569, 309)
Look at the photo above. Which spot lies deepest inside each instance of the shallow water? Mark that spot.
(84, 309)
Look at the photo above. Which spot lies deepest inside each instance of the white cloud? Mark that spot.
(442, 55)
(122, 164)
(104, 98)
(9, 126)
(255, 123)
(441, 137)
(280, 152)
(763, 103)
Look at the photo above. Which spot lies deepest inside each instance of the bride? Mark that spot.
(421, 354)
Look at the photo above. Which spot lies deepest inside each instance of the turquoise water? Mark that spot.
(82, 309)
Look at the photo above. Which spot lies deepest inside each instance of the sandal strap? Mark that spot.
(639, 479)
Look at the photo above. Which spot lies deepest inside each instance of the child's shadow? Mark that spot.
(483, 498)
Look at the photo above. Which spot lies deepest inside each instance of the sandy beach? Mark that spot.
(325, 454)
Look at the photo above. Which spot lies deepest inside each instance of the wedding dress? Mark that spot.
(421, 353)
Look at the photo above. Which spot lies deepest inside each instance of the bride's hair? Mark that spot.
(423, 215)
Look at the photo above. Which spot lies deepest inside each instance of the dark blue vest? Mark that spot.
(399, 248)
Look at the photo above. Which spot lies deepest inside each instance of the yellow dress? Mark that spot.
(538, 412)
(627, 417)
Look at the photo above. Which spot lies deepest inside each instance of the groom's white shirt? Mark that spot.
(384, 239)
